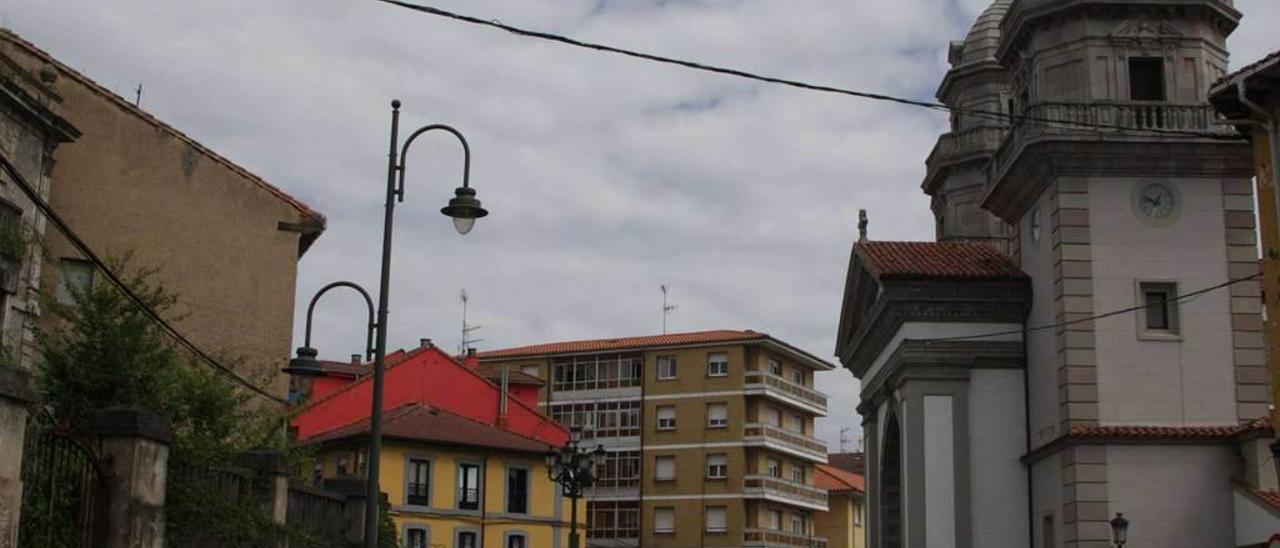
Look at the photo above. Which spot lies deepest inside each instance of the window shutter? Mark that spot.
(665, 468)
(664, 520)
(716, 519)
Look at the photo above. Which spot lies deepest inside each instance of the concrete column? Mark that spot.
(135, 449)
(353, 488)
(270, 485)
(15, 395)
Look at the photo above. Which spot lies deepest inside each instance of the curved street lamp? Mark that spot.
(464, 208)
(306, 367)
(574, 470)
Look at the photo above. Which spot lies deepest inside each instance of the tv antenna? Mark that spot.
(844, 439)
(467, 329)
(666, 308)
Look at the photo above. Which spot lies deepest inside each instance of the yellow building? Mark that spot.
(709, 435)
(453, 482)
(843, 524)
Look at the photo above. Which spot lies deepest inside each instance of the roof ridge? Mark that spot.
(302, 208)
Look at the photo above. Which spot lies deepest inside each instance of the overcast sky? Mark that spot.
(604, 176)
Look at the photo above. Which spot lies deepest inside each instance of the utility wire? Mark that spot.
(990, 114)
(115, 280)
(1174, 299)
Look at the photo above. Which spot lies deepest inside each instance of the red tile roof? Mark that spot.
(849, 462)
(1247, 68)
(352, 370)
(627, 343)
(836, 480)
(1271, 498)
(494, 374)
(420, 422)
(303, 209)
(1262, 425)
(965, 260)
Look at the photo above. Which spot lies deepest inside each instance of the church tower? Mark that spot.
(1000, 409)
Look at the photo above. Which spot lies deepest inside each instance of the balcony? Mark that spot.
(785, 391)
(957, 147)
(784, 491)
(770, 538)
(1064, 121)
(778, 439)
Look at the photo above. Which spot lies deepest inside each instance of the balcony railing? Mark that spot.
(773, 538)
(963, 145)
(757, 434)
(1079, 120)
(799, 493)
(776, 385)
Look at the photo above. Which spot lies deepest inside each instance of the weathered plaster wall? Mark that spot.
(1197, 510)
(997, 440)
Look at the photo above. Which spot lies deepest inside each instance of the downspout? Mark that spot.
(484, 496)
(1026, 422)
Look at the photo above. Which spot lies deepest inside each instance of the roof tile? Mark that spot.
(627, 343)
(965, 260)
(420, 422)
(835, 479)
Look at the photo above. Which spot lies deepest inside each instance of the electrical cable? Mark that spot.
(115, 280)
(991, 114)
(1174, 299)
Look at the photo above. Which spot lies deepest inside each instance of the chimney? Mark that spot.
(357, 359)
(502, 399)
(862, 225)
(424, 343)
(471, 360)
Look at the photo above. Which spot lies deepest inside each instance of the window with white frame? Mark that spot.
(797, 424)
(799, 524)
(613, 520)
(773, 467)
(857, 514)
(530, 370)
(595, 372)
(666, 417)
(717, 467)
(717, 364)
(417, 489)
(797, 473)
(797, 376)
(775, 366)
(775, 520)
(1159, 314)
(717, 415)
(664, 468)
(666, 367)
(618, 469)
(468, 486)
(664, 520)
(600, 419)
(717, 519)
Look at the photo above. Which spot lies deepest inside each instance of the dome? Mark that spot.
(984, 37)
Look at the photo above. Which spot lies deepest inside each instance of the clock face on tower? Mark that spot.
(1156, 204)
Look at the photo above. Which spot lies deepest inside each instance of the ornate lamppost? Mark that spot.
(464, 208)
(1119, 530)
(574, 470)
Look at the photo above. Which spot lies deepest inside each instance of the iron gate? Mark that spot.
(64, 493)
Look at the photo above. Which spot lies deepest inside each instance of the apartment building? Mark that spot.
(709, 435)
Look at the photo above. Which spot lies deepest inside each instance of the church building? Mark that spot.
(1084, 339)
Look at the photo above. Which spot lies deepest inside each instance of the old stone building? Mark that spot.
(1037, 370)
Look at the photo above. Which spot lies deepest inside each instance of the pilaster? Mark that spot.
(1085, 513)
(135, 449)
(1248, 344)
(1073, 292)
(15, 396)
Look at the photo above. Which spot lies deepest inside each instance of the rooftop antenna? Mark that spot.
(137, 98)
(844, 440)
(666, 308)
(466, 341)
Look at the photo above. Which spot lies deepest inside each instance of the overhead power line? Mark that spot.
(990, 114)
(1174, 299)
(115, 280)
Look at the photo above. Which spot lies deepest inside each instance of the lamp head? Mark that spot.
(305, 364)
(1120, 529)
(464, 208)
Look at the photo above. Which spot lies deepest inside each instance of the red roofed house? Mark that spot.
(844, 521)
(1085, 337)
(463, 460)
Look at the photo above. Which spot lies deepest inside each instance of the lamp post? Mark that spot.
(1119, 530)
(464, 208)
(574, 470)
(305, 367)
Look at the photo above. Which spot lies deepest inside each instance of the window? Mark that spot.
(517, 491)
(717, 415)
(797, 423)
(415, 538)
(797, 473)
(600, 419)
(666, 417)
(799, 525)
(773, 467)
(666, 367)
(797, 376)
(775, 520)
(664, 468)
(613, 519)
(664, 520)
(1159, 315)
(618, 469)
(468, 487)
(594, 372)
(530, 370)
(770, 416)
(717, 467)
(517, 540)
(857, 514)
(76, 277)
(466, 539)
(717, 364)
(417, 491)
(716, 519)
(775, 367)
(1146, 79)
(11, 265)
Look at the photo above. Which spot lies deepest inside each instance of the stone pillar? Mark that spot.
(15, 395)
(135, 449)
(353, 488)
(270, 485)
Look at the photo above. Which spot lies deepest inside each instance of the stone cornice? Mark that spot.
(1098, 155)
(941, 360)
(983, 72)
